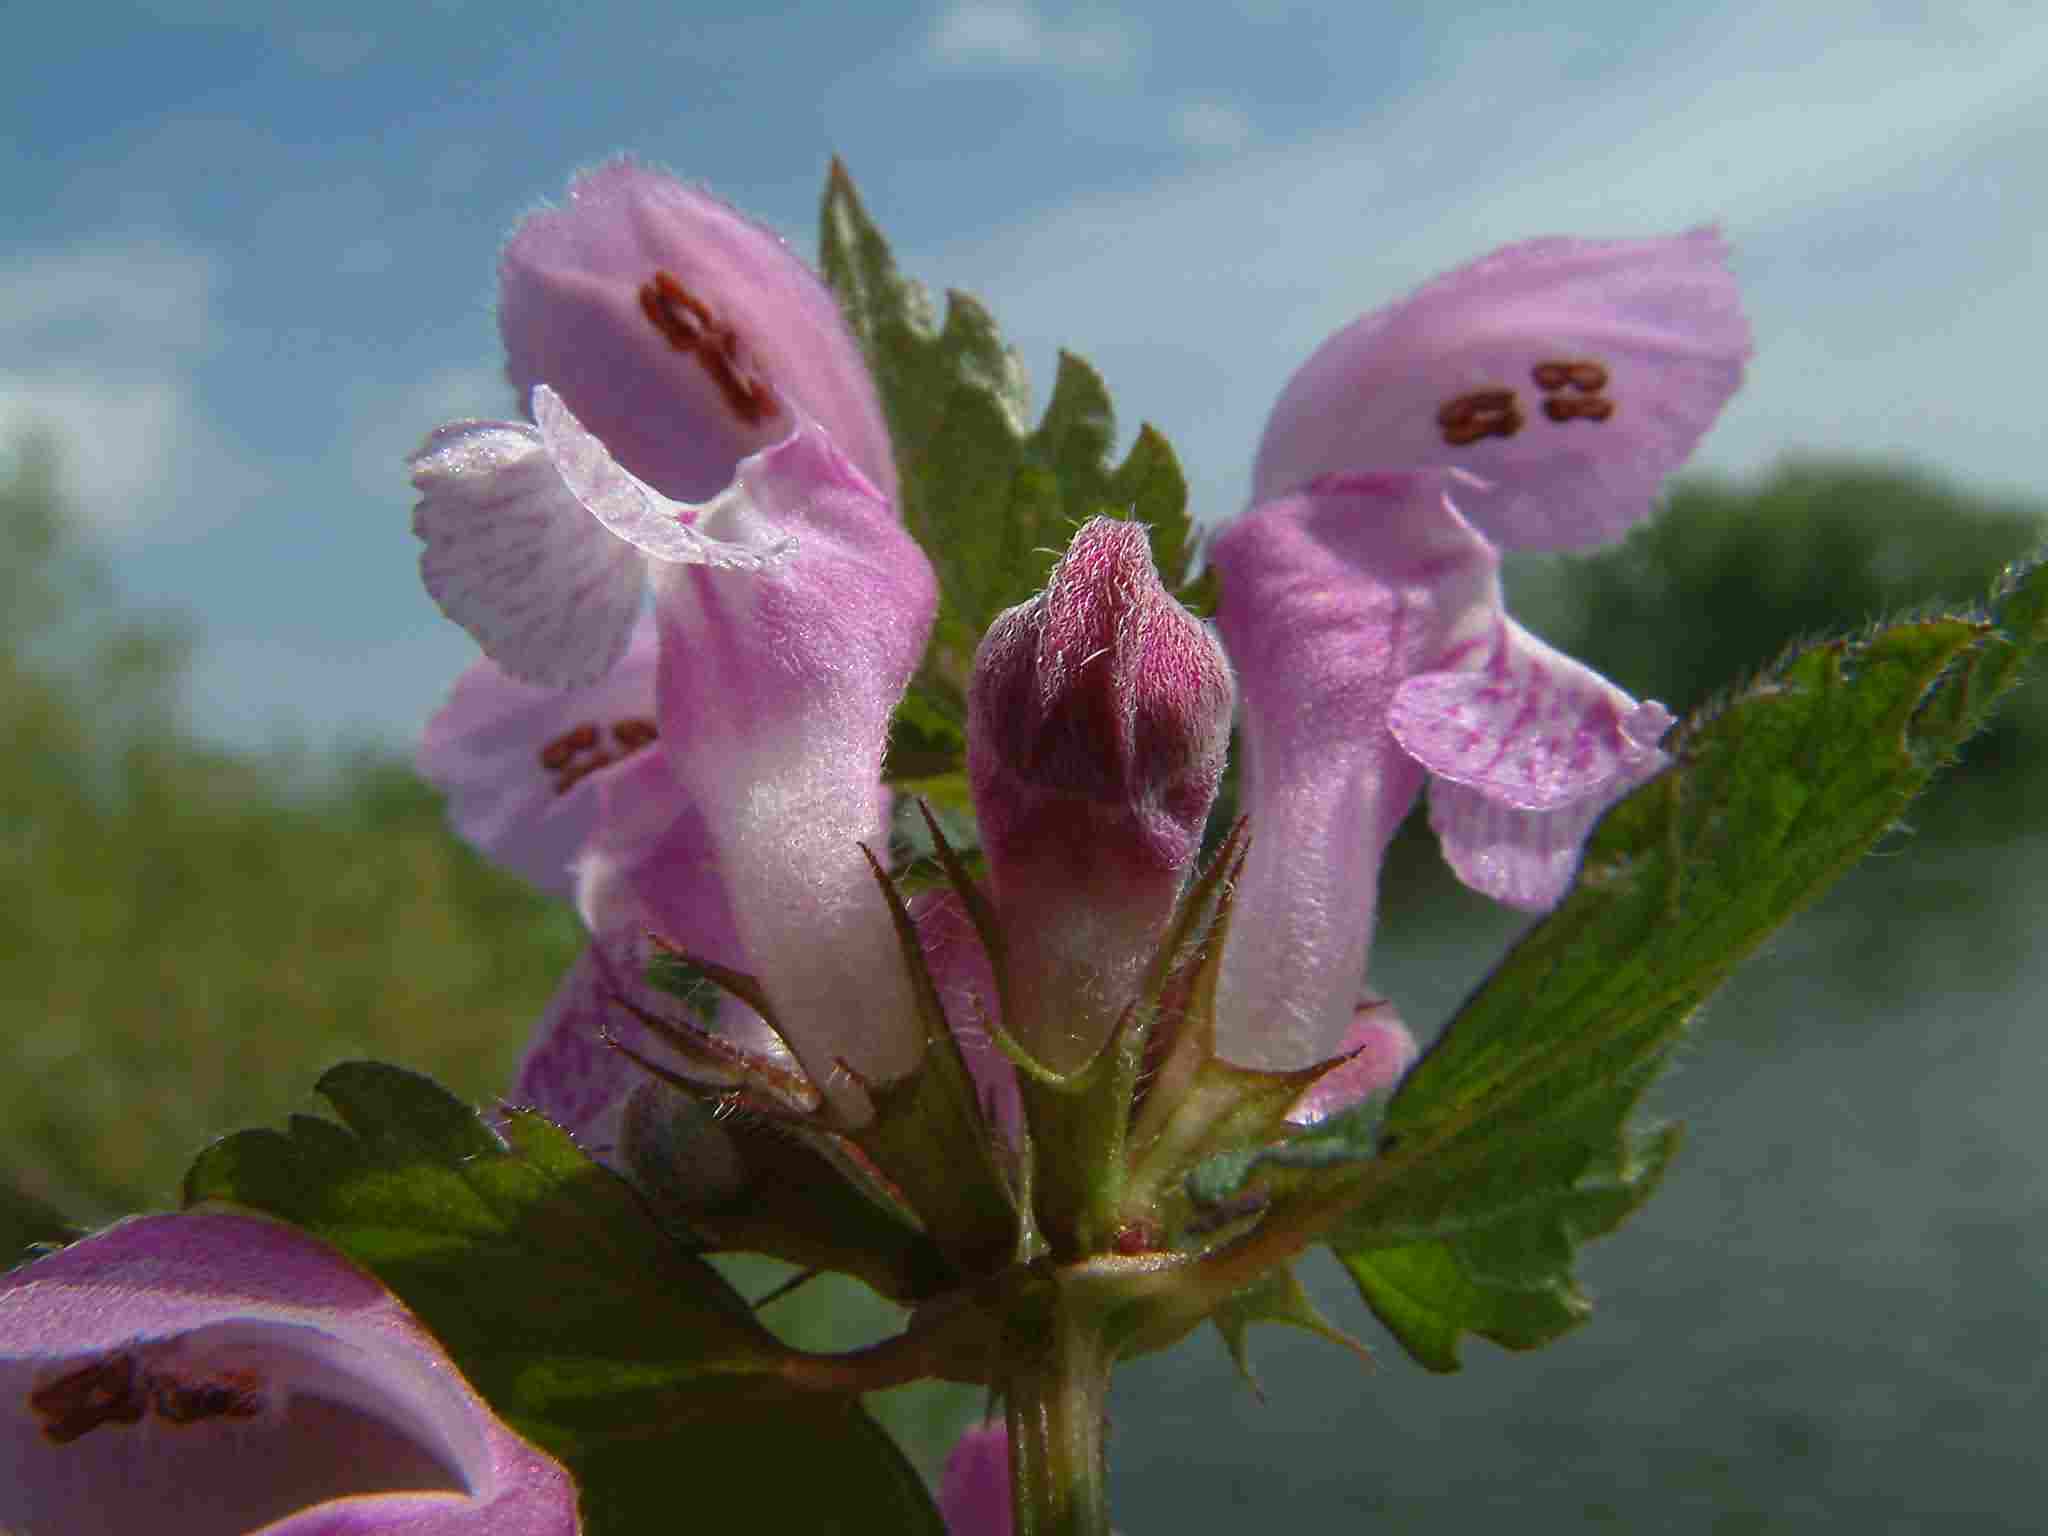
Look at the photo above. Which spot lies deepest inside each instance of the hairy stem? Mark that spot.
(1055, 1397)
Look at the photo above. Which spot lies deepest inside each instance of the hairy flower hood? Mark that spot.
(1534, 399)
(695, 533)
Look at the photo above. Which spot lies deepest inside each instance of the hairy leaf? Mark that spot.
(991, 499)
(1510, 1143)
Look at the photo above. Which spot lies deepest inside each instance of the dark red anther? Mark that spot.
(692, 329)
(632, 735)
(104, 1392)
(580, 770)
(234, 1395)
(1583, 375)
(1562, 408)
(1481, 414)
(556, 755)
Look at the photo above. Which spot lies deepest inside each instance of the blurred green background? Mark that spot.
(1832, 1316)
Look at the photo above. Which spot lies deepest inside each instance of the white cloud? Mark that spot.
(1014, 35)
(98, 345)
(117, 434)
(1214, 126)
(1874, 180)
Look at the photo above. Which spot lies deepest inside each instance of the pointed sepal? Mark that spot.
(929, 1134)
(1276, 1297)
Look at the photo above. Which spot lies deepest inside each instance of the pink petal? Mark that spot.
(1330, 599)
(575, 1072)
(649, 868)
(775, 691)
(1528, 726)
(1381, 1050)
(713, 533)
(538, 543)
(512, 556)
(521, 765)
(570, 1071)
(974, 1493)
(1527, 747)
(210, 1373)
(1570, 376)
(650, 865)
(684, 334)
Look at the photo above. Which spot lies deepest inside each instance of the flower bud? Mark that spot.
(1098, 720)
(974, 1493)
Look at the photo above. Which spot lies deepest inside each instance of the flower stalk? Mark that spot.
(1055, 1399)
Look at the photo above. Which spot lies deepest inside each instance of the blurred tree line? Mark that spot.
(1710, 591)
(188, 934)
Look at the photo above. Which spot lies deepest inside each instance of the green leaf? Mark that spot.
(570, 1310)
(1509, 1278)
(1276, 1297)
(992, 500)
(1343, 1141)
(1509, 1144)
(26, 1222)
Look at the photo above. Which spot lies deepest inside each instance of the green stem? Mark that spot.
(1055, 1401)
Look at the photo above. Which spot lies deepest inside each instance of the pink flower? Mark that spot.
(1535, 399)
(522, 765)
(698, 530)
(704, 434)
(213, 1372)
(974, 1491)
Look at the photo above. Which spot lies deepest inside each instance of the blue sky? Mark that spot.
(248, 254)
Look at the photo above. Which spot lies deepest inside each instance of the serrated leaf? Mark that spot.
(929, 1133)
(1276, 1297)
(1509, 1143)
(991, 500)
(582, 1324)
(1509, 1279)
